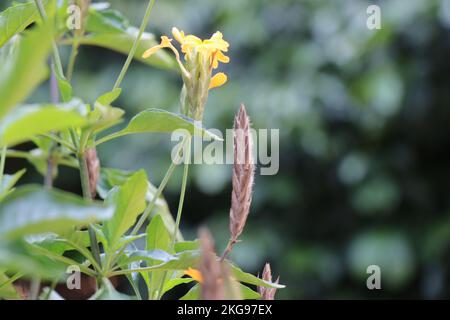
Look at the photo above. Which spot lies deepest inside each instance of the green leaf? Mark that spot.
(193, 293)
(65, 88)
(108, 292)
(109, 97)
(108, 29)
(31, 120)
(20, 257)
(60, 243)
(8, 182)
(34, 209)
(103, 19)
(251, 279)
(110, 178)
(7, 290)
(153, 257)
(15, 19)
(129, 200)
(187, 245)
(172, 283)
(158, 237)
(158, 120)
(104, 117)
(23, 68)
(247, 293)
(179, 261)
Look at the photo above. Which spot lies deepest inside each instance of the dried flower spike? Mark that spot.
(267, 293)
(212, 285)
(243, 174)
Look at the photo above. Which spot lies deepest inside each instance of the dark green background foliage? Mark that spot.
(364, 119)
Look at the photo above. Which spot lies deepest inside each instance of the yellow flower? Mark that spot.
(194, 274)
(214, 48)
(201, 57)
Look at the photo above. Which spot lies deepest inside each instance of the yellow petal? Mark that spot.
(217, 36)
(219, 56)
(218, 80)
(165, 42)
(217, 42)
(222, 58)
(178, 35)
(194, 274)
(151, 51)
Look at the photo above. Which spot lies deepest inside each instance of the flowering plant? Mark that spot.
(52, 240)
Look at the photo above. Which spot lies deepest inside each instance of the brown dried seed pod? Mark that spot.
(212, 287)
(267, 293)
(243, 174)
(93, 166)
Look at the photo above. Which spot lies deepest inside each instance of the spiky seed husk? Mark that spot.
(243, 174)
(93, 166)
(267, 293)
(212, 287)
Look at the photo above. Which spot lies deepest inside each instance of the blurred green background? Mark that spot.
(364, 120)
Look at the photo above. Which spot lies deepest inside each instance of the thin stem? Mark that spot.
(108, 137)
(134, 287)
(182, 193)
(228, 249)
(187, 157)
(152, 203)
(51, 288)
(84, 176)
(72, 58)
(63, 259)
(85, 252)
(56, 56)
(25, 155)
(2, 165)
(18, 154)
(135, 44)
(35, 288)
(60, 141)
(48, 179)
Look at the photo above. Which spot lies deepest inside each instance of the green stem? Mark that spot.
(187, 157)
(56, 56)
(60, 141)
(35, 288)
(182, 193)
(51, 289)
(152, 203)
(25, 155)
(135, 44)
(2, 165)
(84, 176)
(108, 137)
(72, 58)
